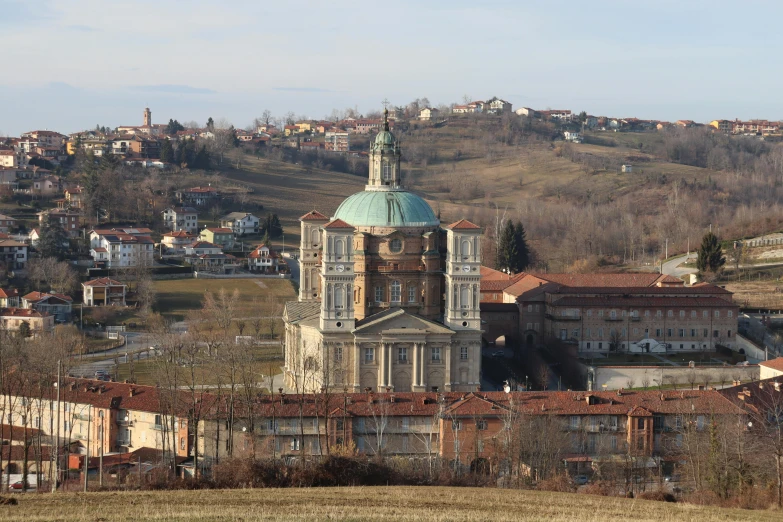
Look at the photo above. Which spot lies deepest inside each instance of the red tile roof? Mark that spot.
(603, 280)
(11, 292)
(313, 215)
(103, 281)
(617, 300)
(219, 230)
(21, 312)
(463, 224)
(337, 223)
(775, 364)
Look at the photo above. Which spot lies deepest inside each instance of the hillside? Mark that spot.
(362, 503)
(573, 199)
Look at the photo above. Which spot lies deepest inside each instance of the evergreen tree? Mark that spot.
(24, 330)
(173, 127)
(272, 226)
(202, 160)
(210, 123)
(522, 259)
(53, 240)
(710, 254)
(167, 151)
(507, 250)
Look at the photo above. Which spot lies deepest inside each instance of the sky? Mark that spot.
(70, 65)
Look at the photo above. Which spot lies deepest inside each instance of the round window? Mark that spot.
(395, 245)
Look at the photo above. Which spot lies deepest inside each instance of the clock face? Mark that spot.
(340, 268)
(466, 269)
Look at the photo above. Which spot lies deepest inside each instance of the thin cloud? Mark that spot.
(301, 89)
(82, 28)
(173, 89)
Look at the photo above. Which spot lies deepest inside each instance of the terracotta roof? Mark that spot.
(618, 300)
(463, 224)
(21, 312)
(219, 230)
(179, 233)
(99, 249)
(41, 296)
(775, 364)
(313, 215)
(103, 281)
(603, 280)
(204, 244)
(11, 292)
(337, 223)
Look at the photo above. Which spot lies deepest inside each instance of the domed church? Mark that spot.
(388, 299)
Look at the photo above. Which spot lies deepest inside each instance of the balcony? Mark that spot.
(614, 319)
(126, 423)
(124, 442)
(397, 267)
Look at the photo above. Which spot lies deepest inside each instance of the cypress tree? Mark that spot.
(507, 248)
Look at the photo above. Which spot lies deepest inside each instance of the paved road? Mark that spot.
(672, 266)
(293, 265)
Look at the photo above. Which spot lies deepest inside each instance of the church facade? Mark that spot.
(388, 299)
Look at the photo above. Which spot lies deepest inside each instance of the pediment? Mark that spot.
(399, 322)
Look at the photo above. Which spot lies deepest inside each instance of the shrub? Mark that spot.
(561, 483)
(659, 496)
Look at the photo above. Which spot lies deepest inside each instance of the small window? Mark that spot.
(402, 355)
(463, 353)
(481, 425)
(369, 355)
(395, 245)
(412, 294)
(436, 353)
(396, 292)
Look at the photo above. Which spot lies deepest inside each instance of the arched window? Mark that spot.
(465, 249)
(339, 248)
(464, 297)
(396, 292)
(395, 245)
(338, 297)
(314, 237)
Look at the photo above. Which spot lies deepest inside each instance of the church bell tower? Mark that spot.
(463, 276)
(385, 159)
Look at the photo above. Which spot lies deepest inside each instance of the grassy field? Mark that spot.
(257, 297)
(369, 503)
(757, 294)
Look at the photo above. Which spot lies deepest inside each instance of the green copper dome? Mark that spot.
(385, 139)
(382, 208)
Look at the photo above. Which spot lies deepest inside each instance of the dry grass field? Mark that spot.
(359, 504)
(257, 297)
(757, 294)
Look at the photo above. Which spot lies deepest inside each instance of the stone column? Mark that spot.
(447, 361)
(423, 366)
(357, 358)
(381, 368)
(389, 362)
(415, 373)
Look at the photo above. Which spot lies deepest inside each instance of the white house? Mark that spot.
(13, 254)
(200, 248)
(263, 259)
(497, 106)
(181, 218)
(118, 250)
(572, 136)
(241, 223)
(103, 292)
(175, 242)
(428, 113)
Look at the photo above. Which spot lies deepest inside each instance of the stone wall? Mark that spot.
(616, 377)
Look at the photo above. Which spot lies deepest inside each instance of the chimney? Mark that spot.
(776, 384)
(663, 398)
(741, 396)
(282, 398)
(543, 407)
(746, 391)
(701, 387)
(392, 397)
(131, 391)
(620, 392)
(348, 400)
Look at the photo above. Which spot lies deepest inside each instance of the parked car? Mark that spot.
(581, 480)
(102, 375)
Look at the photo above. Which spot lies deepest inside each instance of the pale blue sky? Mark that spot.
(72, 64)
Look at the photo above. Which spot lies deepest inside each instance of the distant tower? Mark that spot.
(147, 117)
(385, 158)
(463, 276)
(337, 277)
(309, 255)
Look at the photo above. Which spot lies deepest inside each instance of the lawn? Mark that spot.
(360, 503)
(257, 297)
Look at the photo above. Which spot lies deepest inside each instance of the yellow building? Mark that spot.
(304, 126)
(721, 125)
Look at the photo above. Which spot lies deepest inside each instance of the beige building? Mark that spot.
(623, 312)
(12, 319)
(770, 369)
(371, 311)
